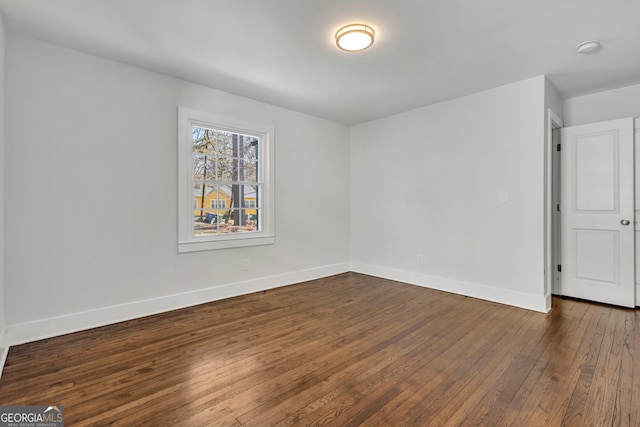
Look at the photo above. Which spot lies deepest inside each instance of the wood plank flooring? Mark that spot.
(342, 351)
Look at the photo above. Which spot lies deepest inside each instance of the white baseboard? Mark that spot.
(499, 295)
(46, 328)
(637, 295)
(547, 303)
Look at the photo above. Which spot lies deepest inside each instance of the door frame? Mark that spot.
(636, 142)
(552, 186)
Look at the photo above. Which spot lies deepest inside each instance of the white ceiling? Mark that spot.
(283, 51)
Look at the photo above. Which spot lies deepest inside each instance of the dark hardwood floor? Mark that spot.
(343, 351)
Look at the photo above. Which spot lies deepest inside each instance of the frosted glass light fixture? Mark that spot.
(355, 37)
(588, 47)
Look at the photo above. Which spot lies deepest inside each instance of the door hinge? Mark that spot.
(557, 147)
(559, 268)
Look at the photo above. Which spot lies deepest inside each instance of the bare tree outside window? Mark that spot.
(225, 174)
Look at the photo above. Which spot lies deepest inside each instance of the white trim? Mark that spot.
(553, 122)
(488, 293)
(636, 125)
(46, 328)
(236, 240)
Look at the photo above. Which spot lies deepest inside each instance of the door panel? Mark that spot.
(596, 183)
(598, 253)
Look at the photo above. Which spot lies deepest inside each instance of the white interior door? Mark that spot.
(597, 212)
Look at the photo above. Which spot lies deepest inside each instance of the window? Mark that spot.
(225, 182)
(218, 204)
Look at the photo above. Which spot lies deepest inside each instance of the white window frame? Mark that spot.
(187, 240)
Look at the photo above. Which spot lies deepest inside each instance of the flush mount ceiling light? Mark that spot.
(355, 37)
(588, 47)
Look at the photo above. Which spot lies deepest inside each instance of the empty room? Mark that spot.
(297, 212)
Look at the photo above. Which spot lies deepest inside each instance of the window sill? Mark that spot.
(234, 242)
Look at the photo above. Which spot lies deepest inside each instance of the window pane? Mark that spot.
(202, 195)
(250, 148)
(203, 142)
(238, 221)
(249, 196)
(208, 223)
(249, 170)
(252, 218)
(198, 140)
(235, 145)
(231, 221)
(226, 169)
(203, 167)
(249, 219)
(212, 142)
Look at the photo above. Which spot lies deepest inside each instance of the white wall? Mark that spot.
(428, 182)
(3, 343)
(91, 161)
(552, 99)
(601, 106)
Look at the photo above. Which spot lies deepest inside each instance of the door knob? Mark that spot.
(625, 222)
